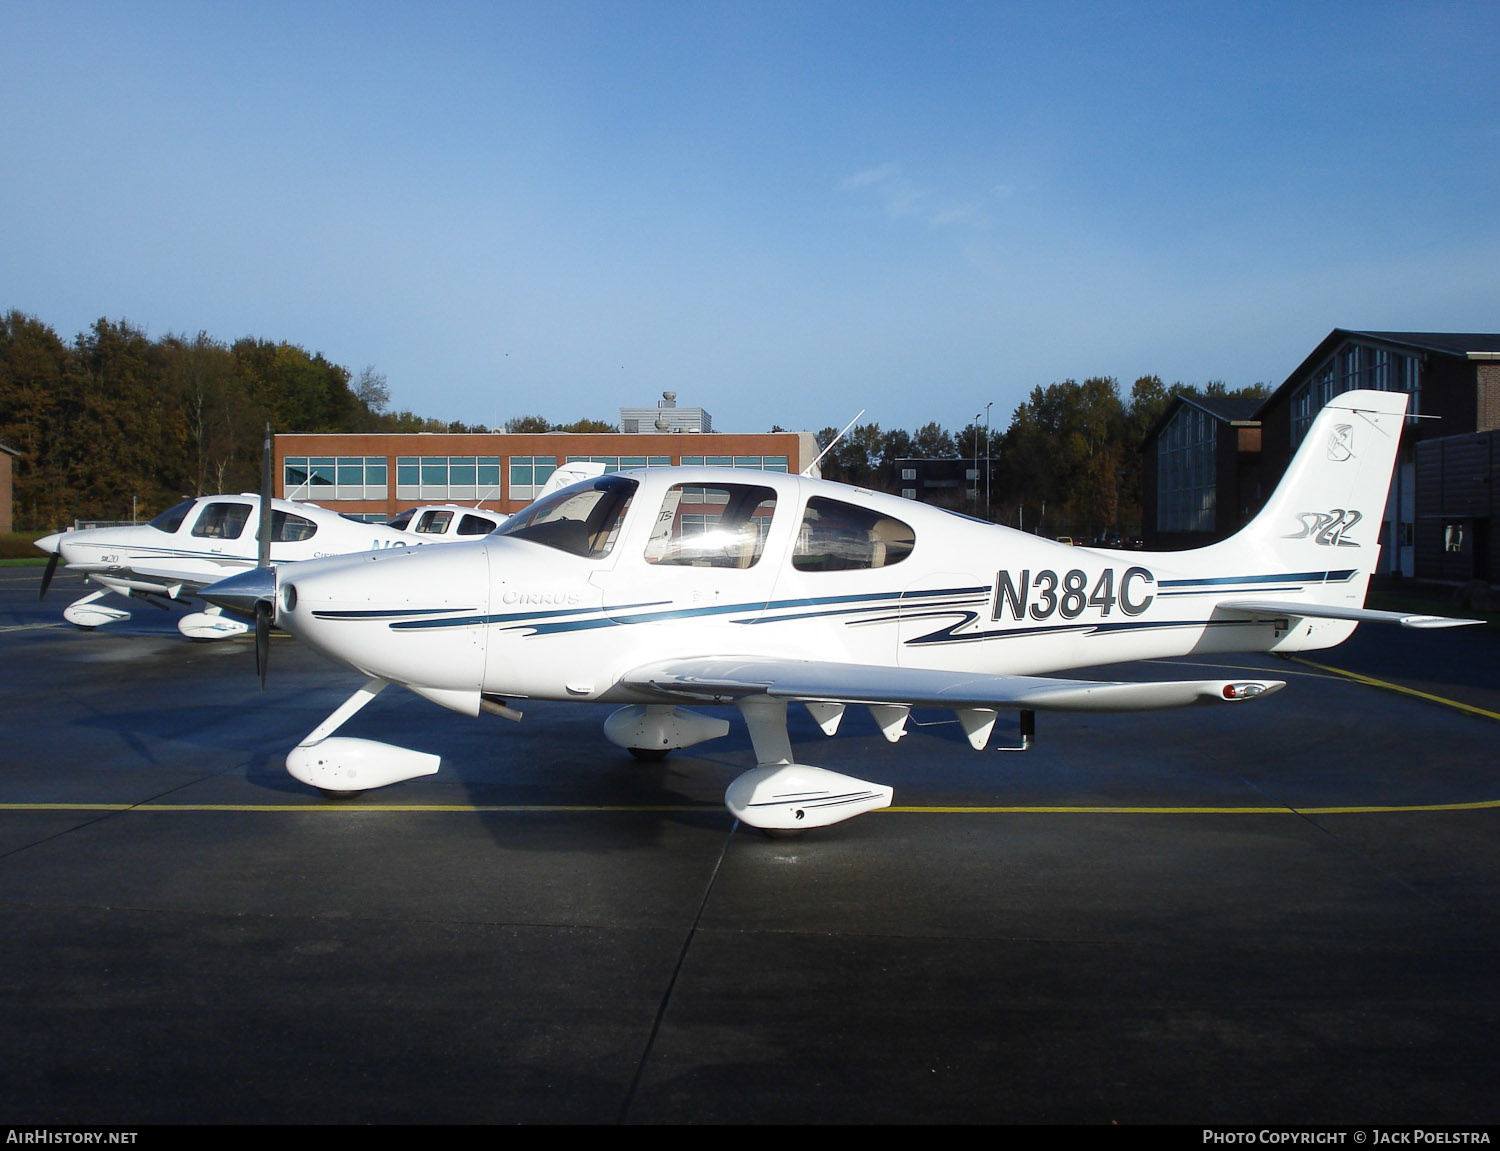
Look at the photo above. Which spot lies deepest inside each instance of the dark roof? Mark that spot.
(1230, 409)
(1226, 409)
(8, 450)
(1449, 343)
(1459, 344)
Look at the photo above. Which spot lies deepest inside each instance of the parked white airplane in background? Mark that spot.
(674, 586)
(443, 523)
(435, 523)
(198, 542)
(207, 538)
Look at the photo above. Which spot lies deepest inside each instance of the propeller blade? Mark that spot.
(47, 575)
(262, 640)
(263, 557)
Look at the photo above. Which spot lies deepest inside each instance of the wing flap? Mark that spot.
(1330, 611)
(727, 680)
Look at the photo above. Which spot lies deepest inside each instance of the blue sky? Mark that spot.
(785, 211)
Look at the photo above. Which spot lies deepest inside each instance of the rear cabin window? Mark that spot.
(287, 528)
(475, 526)
(836, 536)
(712, 525)
(222, 521)
(581, 521)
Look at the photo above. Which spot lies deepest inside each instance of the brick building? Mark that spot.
(375, 475)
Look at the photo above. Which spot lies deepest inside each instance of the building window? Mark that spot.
(755, 463)
(448, 478)
(334, 477)
(1185, 459)
(623, 463)
(1352, 366)
(529, 474)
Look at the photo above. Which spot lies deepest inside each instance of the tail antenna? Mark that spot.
(808, 471)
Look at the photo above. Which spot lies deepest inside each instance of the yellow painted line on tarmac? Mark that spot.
(1360, 809)
(358, 808)
(680, 809)
(1387, 685)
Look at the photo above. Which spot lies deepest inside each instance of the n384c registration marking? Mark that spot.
(1069, 595)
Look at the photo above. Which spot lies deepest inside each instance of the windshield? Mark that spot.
(583, 520)
(171, 519)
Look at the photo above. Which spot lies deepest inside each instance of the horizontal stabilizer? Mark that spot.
(1330, 611)
(726, 680)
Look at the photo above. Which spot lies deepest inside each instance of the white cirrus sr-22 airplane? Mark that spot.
(657, 589)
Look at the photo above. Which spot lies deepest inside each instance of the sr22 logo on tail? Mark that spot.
(1327, 528)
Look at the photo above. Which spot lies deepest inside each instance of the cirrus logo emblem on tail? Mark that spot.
(1341, 443)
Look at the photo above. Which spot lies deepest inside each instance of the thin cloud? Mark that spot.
(905, 199)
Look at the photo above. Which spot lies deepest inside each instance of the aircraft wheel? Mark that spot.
(649, 754)
(782, 832)
(329, 793)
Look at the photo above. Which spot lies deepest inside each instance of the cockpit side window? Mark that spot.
(712, 525)
(435, 522)
(584, 521)
(171, 519)
(836, 536)
(222, 521)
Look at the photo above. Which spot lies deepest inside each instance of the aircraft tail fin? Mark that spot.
(1322, 523)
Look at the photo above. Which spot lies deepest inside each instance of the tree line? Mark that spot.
(116, 423)
(1068, 463)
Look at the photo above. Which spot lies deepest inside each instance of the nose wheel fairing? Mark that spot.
(342, 764)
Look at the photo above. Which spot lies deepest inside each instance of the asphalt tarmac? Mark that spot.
(1286, 912)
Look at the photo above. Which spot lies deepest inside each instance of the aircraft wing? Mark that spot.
(203, 571)
(1328, 611)
(728, 679)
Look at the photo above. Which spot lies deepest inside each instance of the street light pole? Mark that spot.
(975, 495)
